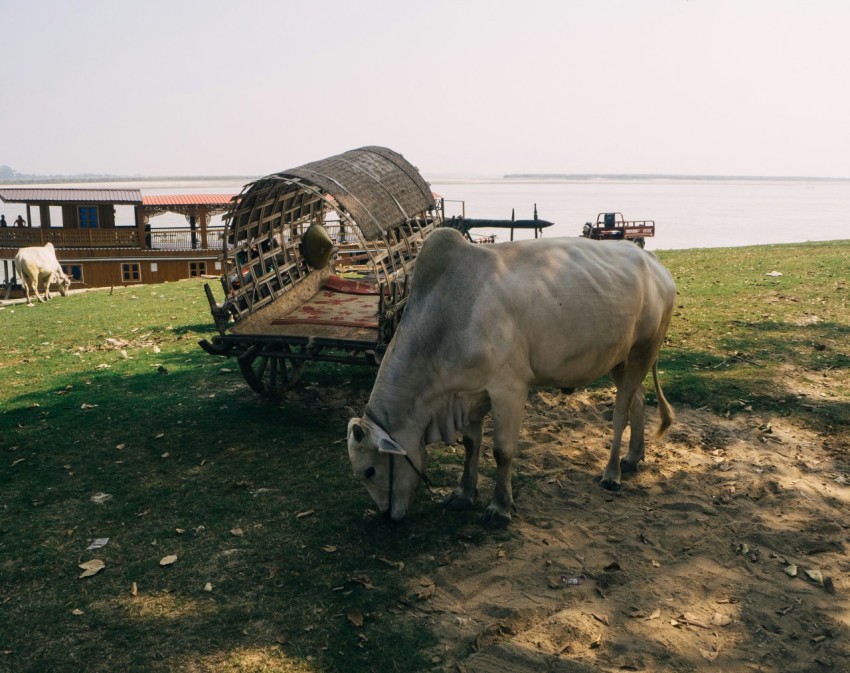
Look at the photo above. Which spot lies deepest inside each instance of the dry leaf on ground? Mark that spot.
(394, 564)
(719, 619)
(355, 617)
(815, 576)
(92, 567)
(363, 581)
(711, 655)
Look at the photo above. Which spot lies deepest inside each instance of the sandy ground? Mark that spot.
(727, 552)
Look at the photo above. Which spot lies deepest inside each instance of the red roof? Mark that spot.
(187, 199)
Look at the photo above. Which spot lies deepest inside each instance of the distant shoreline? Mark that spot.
(579, 177)
(660, 176)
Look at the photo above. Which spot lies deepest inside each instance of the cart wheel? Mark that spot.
(639, 242)
(269, 375)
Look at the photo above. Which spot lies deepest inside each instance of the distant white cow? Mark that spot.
(482, 325)
(37, 265)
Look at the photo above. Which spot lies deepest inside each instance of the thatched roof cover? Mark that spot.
(376, 186)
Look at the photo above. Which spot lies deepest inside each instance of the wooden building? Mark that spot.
(97, 249)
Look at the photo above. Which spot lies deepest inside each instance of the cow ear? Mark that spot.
(357, 430)
(388, 445)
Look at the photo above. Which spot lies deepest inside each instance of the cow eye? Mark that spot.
(369, 473)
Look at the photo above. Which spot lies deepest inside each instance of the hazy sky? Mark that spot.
(178, 87)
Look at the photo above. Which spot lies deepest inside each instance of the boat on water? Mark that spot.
(96, 249)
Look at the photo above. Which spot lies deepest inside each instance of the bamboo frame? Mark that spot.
(262, 248)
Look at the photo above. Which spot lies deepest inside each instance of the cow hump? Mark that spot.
(442, 250)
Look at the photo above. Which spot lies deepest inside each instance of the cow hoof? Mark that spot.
(494, 520)
(628, 468)
(457, 502)
(609, 484)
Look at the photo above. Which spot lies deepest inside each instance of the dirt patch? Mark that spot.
(728, 551)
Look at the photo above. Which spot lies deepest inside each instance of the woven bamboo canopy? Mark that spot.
(370, 204)
(373, 188)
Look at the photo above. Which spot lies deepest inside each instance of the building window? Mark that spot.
(74, 272)
(131, 273)
(88, 217)
(197, 269)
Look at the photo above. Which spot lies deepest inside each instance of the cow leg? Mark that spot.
(36, 284)
(26, 282)
(507, 418)
(637, 419)
(628, 379)
(47, 295)
(464, 495)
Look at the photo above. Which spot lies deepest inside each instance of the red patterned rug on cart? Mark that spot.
(342, 302)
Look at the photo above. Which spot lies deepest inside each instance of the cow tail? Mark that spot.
(664, 408)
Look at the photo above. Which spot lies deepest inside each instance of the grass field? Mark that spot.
(115, 424)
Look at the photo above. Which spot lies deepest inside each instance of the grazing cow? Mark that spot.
(484, 323)
(37, 265)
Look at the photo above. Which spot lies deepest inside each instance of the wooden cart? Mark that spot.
(317, 261)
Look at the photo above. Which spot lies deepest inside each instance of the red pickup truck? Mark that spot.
(613, 226)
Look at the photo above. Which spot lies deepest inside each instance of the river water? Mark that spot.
(693, 213)
(688, 213)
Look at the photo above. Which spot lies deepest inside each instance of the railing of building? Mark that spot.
(181, 238)
(172, 238)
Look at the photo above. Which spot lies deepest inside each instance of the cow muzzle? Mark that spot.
(399, 502)
(396, 517)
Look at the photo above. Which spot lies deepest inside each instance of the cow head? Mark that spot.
(389, 472)
(63, 281)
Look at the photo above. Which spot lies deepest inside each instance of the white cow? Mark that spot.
(484, 323)
(37, 265)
